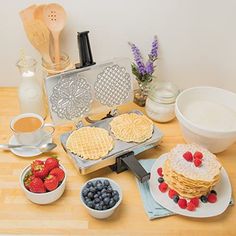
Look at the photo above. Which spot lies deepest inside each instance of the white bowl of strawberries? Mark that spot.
(43, 182)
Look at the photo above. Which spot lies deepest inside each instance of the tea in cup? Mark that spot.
(30, 129)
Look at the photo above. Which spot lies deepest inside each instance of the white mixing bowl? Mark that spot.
(215, 139)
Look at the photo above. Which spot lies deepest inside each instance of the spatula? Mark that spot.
(38, 36)
(55, 18)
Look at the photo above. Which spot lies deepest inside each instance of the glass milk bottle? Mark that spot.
(30, 92)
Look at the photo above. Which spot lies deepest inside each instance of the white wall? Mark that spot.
(197, 37)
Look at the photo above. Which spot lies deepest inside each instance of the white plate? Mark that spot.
(26, 152)
(223, 189)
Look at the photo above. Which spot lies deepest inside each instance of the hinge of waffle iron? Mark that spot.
(128, 161)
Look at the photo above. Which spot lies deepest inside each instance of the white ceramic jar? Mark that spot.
(160, 103)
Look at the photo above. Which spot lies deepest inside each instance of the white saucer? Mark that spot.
(223, 189)
(25, 152)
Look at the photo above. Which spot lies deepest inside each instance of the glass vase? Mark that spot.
(140, 94)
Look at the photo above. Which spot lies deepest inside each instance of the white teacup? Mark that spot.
(29, 129)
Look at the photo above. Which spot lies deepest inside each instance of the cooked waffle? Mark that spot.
(90, 143)
(132, 127)
(187, 179)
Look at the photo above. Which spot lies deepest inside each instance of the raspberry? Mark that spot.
(172, 193)
(195, 201)
(197, 155)
(159, 171)
(212, 198)
(182, 203)
(191, 206)
(163, 187)
(188, 156)
(197, 162)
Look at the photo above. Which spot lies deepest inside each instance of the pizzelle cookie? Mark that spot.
(132, 127)
(185, 177)
(90, 143)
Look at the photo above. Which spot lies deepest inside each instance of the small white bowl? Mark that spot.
(42, 198)
(214, 140)
(103, 213)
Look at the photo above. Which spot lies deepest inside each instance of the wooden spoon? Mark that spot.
(27, 14)
(55, 18)
(38, 35)
(38, 12)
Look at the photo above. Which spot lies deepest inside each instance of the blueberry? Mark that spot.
(98, 182)
(96, 200)
(106, 183)
(103, 190)
(92, 189)
(97, 206)
(98, 193)
(160, 180)
(176, 198)
(99, 187)
(116, 198)
(95, 195)
(109, 189)
(89, 184)
(114, 192)
(106, 200)
(104, 207)
(101, 203)
(108, 194)
(85, 192)
(112, 203)
(90, 195)
(203, 199)
(90, 204)
(213, 191)
(104, 195)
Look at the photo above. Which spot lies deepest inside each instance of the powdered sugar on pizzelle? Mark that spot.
(209, 169)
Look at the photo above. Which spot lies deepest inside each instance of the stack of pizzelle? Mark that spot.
(185, 178)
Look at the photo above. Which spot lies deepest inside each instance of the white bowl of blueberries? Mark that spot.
(100, 196)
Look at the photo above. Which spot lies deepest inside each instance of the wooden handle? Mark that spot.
(57, 51)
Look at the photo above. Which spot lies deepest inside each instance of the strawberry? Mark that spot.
(36, 186)
(182, 203)
(197, 162)
(28, 178)
(58, 172)
(159, 172)
(163, 187)
(51, 163)
(51, 182)
(172, 193)
(39, 169)
(195, 201)
(197, 155)
(191, 206)
(188, 156)
(212, 198)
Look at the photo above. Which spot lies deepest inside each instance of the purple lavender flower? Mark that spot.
(154, 52)
(138, 59)
(149, 67)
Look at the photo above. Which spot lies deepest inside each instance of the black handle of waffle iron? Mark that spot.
(128, 161)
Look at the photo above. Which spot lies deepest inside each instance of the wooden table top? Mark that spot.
(67, 215)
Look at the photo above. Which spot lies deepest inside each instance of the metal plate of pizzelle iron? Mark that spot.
(88, 91)
(120, 147)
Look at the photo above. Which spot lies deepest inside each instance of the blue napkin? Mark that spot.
(152, 208)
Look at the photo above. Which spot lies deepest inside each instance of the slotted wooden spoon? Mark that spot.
(54, 17)
(38, 35)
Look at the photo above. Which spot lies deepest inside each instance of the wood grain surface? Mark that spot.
(67, 216)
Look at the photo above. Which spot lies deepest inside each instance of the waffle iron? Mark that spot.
(76, 94)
